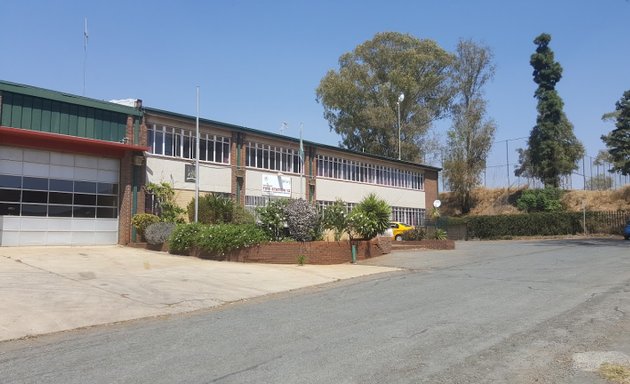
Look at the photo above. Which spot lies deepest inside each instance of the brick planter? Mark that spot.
(315, 252)
(424, 244)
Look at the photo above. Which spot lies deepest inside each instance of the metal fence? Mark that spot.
(503, 160)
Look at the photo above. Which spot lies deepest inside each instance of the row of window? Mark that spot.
(58, 185)
(14, 209)
(342, 169)
(273, 158)
(411, 216)
(38, 196)
(177, 142)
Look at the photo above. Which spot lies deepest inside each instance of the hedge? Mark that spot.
(532, 224)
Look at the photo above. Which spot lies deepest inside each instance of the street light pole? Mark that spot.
(401, 97)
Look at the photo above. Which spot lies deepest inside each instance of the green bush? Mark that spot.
(141, 221)
(272, 219)
(223, 238)
(541, 200)
(370, 217)
(415, 234)
(335, 218)
(213, 209)
(440, 234)
(170, 212)
(158, 233)
(184, 238)
(533, 224)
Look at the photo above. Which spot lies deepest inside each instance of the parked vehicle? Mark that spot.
(626, 231)
(398, 229)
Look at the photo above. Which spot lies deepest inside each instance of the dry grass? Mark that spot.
(615, 373)
(501, 201)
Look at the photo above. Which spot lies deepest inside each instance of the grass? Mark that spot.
(615, 373)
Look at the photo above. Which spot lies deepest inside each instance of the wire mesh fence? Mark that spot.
(503, 160)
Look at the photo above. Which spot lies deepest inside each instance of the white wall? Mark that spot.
(353, 192)
(213, 177)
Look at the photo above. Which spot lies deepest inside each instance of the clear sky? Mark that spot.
(258, 62)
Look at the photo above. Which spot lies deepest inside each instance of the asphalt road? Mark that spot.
(488, 312)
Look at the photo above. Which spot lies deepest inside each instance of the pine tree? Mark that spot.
(553, 150)
(618, 141)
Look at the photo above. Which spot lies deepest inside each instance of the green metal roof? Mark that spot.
(282, 137)
(67, 98)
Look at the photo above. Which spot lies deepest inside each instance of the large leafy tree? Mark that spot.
(618, 141)
(471, 135)
(553, 150)
(360, 99)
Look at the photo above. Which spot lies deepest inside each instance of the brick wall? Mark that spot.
(315, 252)
(430, 188)
(125, 199)
(236, 181)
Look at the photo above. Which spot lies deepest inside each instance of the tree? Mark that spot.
(553, 150)
(360, 99)
(471, 135)
(618, 141)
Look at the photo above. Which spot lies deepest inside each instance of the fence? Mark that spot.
(503, 160)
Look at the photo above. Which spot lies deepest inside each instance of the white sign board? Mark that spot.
(276, 185)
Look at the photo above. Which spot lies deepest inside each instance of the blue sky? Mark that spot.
(258, 62)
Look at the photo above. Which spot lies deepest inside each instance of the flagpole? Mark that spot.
(85, 41)
(197, 162)
(301, 154)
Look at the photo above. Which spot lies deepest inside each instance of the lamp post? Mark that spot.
(401, 97)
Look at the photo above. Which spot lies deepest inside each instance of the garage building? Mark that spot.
(67, 173)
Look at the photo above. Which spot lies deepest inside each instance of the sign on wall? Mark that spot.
(189, 173)
(276, 185)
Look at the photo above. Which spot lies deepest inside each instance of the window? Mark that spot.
(181, 143)
(342, 169)
(34, 196)
(265, 156)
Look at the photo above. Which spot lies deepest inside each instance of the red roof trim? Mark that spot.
(65, 143)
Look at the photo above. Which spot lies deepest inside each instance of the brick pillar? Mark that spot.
(430, 188)
(237, 163)
(310, 172)
(125, 199)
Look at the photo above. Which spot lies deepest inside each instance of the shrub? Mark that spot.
(170, 212)
(141, 221)
(184, 238)
(440, 234)
(302, 220)
(370, 217)
(533, 224)
(213, 209)
(158, 233)
(415, 234)
(242, 216)
(223, 238)
(272, 219)
(335, 218)
(540, 200)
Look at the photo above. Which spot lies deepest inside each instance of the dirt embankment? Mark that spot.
(501, 201)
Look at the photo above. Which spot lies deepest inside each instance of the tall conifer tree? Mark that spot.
(553, 150)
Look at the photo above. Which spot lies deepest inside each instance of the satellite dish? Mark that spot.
(437, 203)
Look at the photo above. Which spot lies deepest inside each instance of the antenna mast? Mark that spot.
(85, 41)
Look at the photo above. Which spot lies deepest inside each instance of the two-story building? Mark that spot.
(72, 169)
